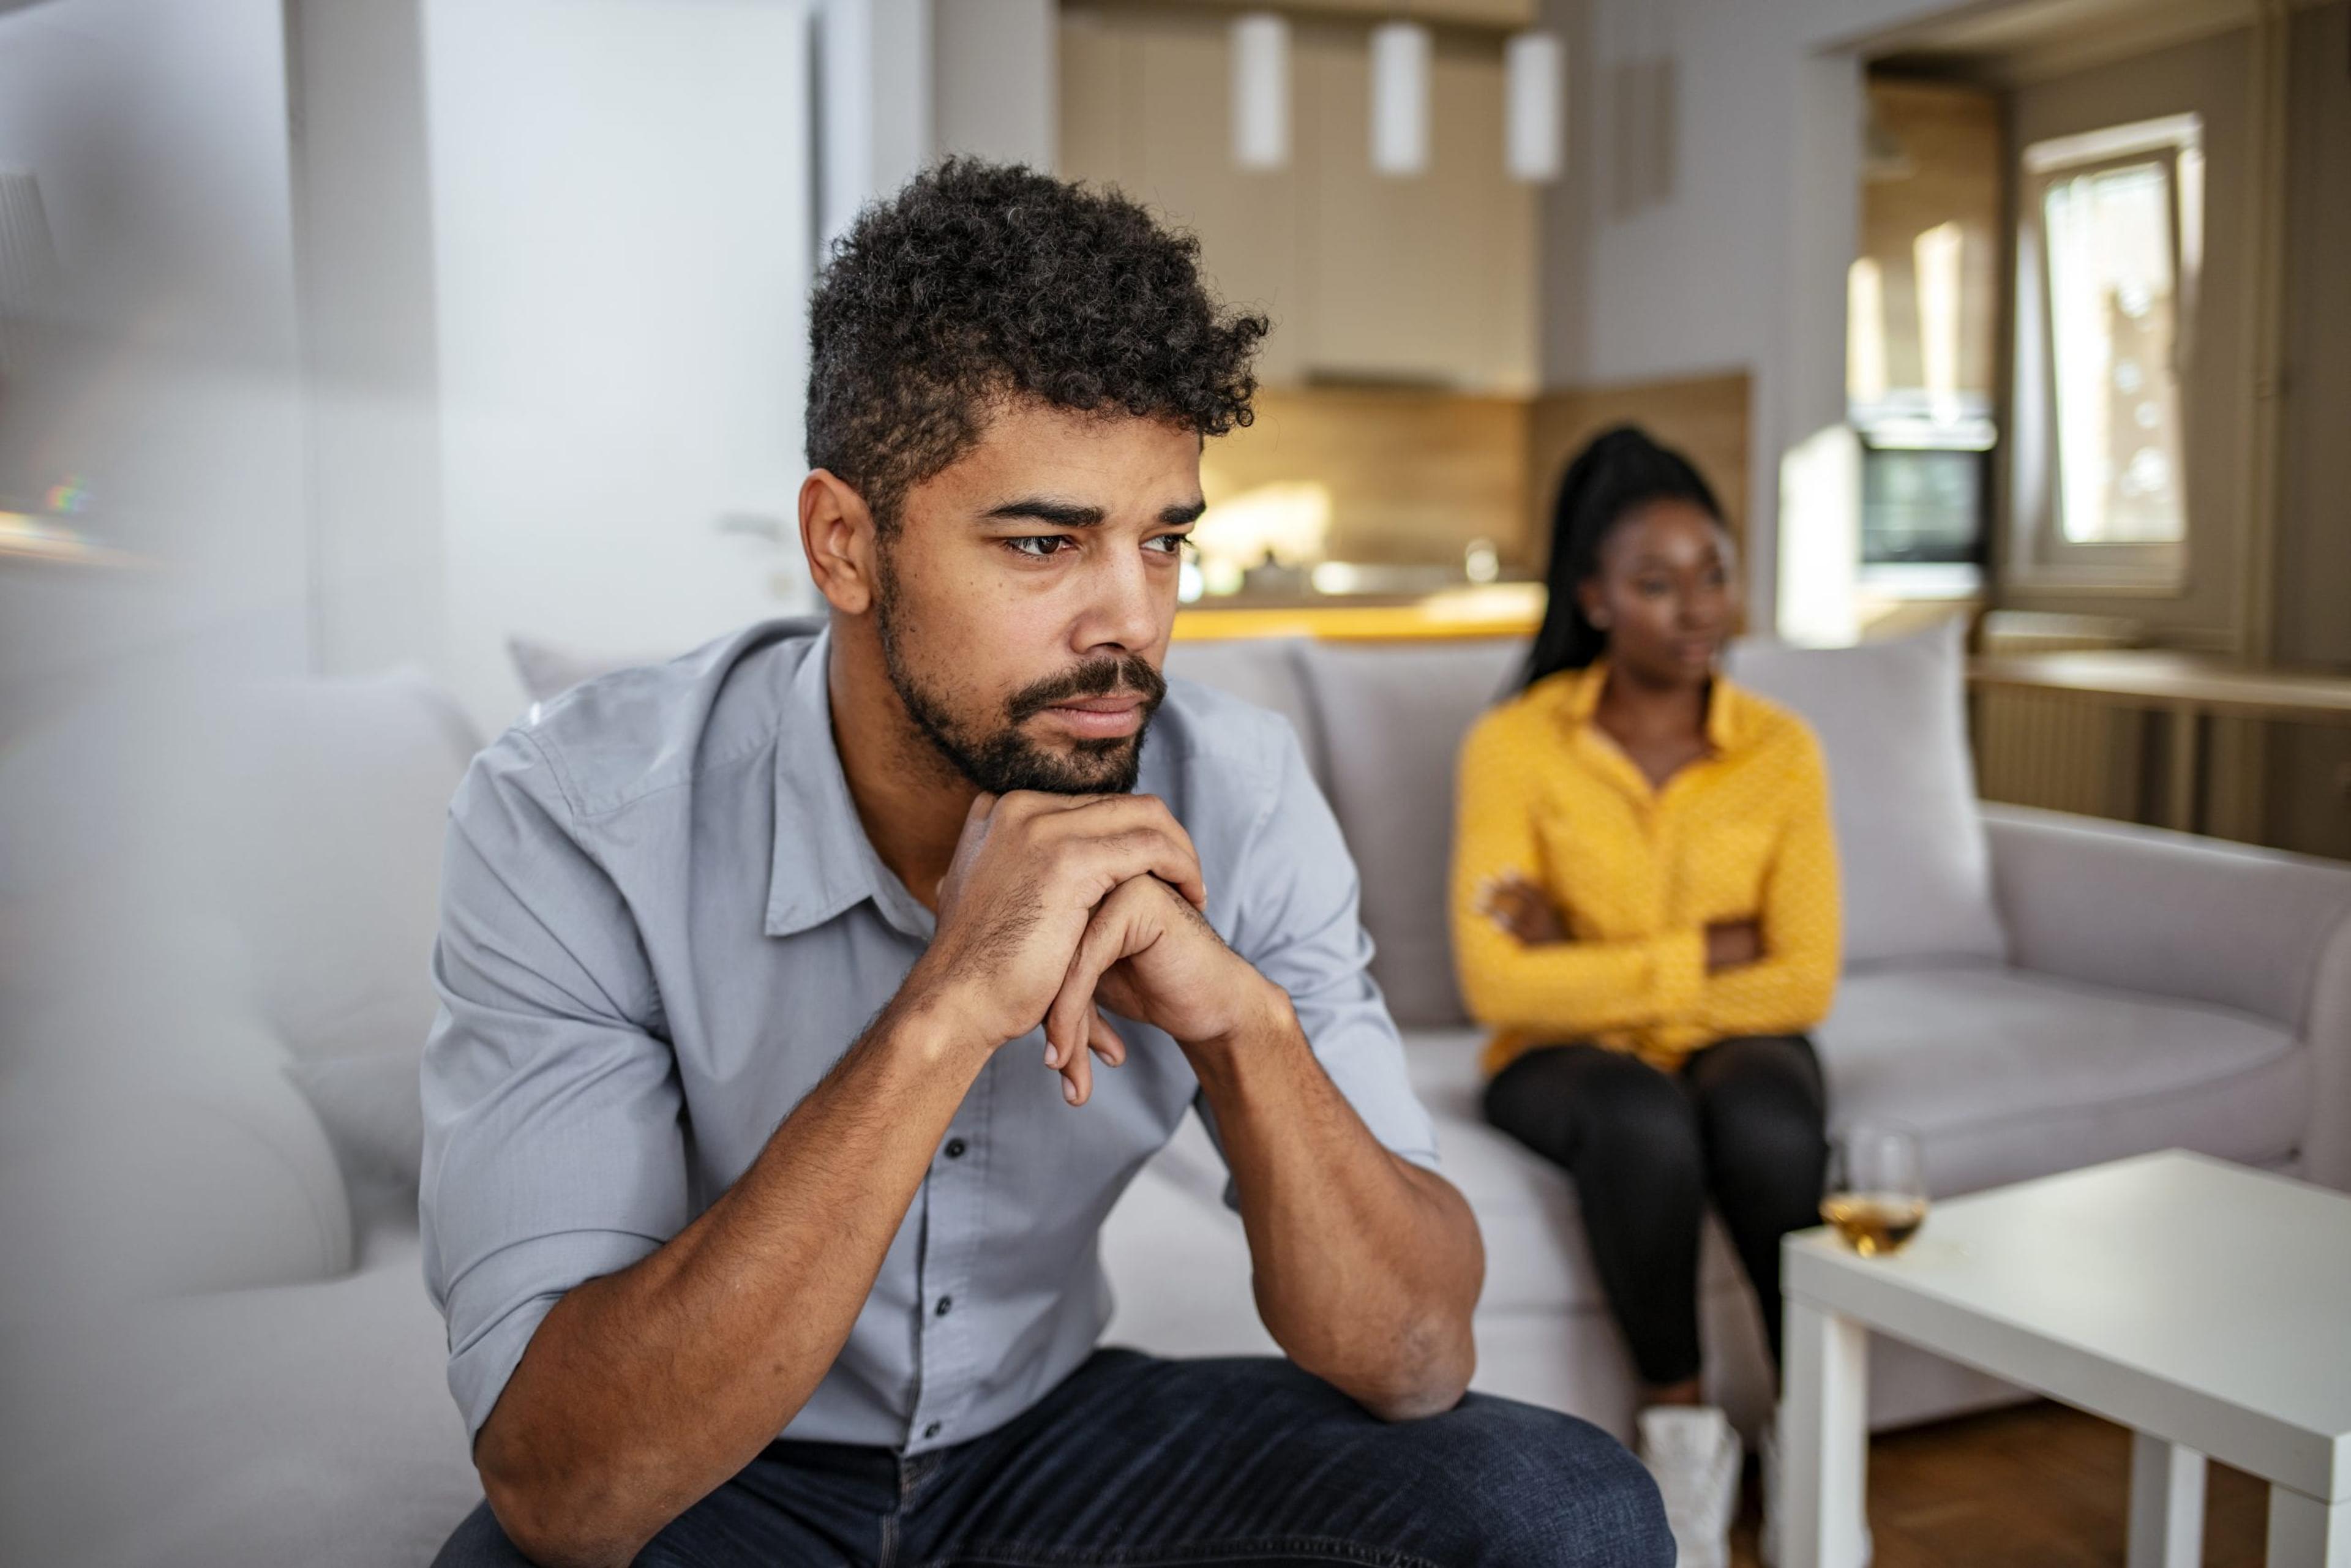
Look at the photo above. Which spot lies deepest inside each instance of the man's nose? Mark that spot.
(1123, 613)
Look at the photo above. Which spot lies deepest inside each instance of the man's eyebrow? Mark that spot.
(1182, 513)
(1060, 514)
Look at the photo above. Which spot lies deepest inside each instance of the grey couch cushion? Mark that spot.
(1892, 721)
(1393, 720)
(323, 843)
(306, 1424)
(2006, 1074)
(204, 1172)
(2010, 1074)
(1260, 669)
(371, 1108)
(1536, 1256)
(548, 670)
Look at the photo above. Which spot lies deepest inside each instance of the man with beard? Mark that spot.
(765, 1149)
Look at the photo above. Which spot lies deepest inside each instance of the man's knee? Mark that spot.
(1536, 1488)
(478, 1543)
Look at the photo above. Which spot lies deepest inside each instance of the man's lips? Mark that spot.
(1119, 713)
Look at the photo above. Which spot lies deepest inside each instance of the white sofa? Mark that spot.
(214, 1342)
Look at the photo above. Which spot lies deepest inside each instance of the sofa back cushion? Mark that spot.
(548, 670)
(1260, 669)
(1393, 719)
(324, 846)
(1892, 719)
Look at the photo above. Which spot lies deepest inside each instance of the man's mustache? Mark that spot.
(1095, 678)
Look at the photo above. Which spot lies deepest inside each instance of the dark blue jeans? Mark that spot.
(1138, 1461)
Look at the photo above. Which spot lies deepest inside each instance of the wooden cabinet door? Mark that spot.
(1429, 279)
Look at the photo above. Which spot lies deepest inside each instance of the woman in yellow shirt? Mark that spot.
(1644, 910)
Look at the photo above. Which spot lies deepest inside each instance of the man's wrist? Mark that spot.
(929, 1022)
(1265, 1018)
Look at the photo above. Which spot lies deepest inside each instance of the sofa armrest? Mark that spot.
(2197, 919)
(121, 1183)
(2326, 1145)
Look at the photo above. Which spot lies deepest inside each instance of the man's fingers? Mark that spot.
(1078, 1079)
(1127, 835)
(1109, 937)
(1145, 851)
(1105, 1043)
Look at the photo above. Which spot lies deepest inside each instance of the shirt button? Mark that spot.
(955, 1149)
(932, 1430)
(946, 1304)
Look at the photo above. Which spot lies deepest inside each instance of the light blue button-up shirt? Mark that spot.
(662, 923)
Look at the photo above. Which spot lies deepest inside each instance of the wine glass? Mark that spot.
(1877, 1187)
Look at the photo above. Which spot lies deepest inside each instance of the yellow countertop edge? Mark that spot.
(1440, 616)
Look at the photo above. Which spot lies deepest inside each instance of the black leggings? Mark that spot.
(1741, 1120)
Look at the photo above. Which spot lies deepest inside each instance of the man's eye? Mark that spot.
(1038, 546)
(1168, 544)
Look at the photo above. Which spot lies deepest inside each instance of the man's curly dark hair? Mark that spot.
(979, 281)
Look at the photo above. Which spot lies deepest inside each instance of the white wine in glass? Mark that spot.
(1877, 1189)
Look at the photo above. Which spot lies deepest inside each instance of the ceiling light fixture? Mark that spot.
(1535, 76)
(1261, 90)
(1400, 98)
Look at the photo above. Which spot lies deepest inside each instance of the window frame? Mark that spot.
(2039, 554)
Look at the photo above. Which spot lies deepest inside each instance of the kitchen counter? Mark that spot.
(1489, 609)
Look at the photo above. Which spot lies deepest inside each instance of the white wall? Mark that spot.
(158, 133)
(621, 213)
(1732, 253)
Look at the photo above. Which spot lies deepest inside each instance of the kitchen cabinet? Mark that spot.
(1426, 279)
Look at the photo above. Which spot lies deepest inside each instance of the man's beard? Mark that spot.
(1004, 760)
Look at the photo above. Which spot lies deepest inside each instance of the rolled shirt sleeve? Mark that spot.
(553, 1147)
(1297, 925)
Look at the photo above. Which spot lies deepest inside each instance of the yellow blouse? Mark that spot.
(1638, 874)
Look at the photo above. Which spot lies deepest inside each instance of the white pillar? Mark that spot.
(873, 90)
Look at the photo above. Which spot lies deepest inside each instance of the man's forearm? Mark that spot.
(1367, 1268)
(644, 1389)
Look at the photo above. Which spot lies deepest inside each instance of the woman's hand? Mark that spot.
(1515, 904)
(1731, 943)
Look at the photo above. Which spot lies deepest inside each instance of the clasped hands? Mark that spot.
(1056, 907)
(1515, 903)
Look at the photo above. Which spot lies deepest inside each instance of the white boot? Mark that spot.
(1767, 1539)
(1694, 1455)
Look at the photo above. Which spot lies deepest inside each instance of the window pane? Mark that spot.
(2114, 319)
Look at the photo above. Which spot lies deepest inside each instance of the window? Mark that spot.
(2109, 246)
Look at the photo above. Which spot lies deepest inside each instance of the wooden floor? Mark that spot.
(2038, 1485)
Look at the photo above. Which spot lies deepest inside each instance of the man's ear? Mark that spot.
(837, 535)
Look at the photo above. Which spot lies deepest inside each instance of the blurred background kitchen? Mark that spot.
(339, 335)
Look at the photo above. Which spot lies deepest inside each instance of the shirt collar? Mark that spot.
(1727, 726)
(822, 864)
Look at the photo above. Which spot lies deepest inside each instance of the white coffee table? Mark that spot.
(2204, 1305)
